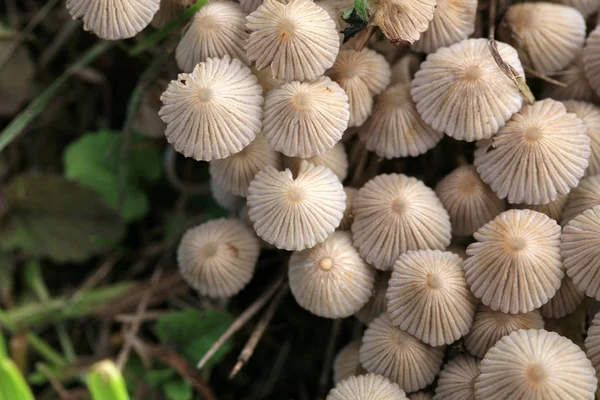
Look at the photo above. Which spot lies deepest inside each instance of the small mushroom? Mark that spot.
(249, 6)
(577, 85)
(590, 115)
(564, 302)
(378, 301)
(553, 209)
(585, 196)
(457, 379)
(404, 70)
(224, 198)
(366, 387)
(335, 159)
(346, 362)
(401, 20)
(168, 11)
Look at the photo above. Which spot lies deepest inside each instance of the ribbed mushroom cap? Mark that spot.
(378, 301)
(335, 159)
(542, 151)
(585, 196)
(168, 11)
(225, 199)
(590, 115)
(592, 345)
(453, 21)
(428, 296)
(218, 257)
(545, 43)
(580, 250)
(535, 364)
(515, 265)
(420, 396)
(217, 30)
(401, 20)
(296, 214)
(114, 19)
(250, 6)
(490, 326)
(348, 217)
(395, 129)
(403, 71)
(577, 85)
(564, 302)
(366, 387)
(469, 201)
(553, 209)
(455, 81)
(457, 379)
(213, 112)
(306, 119)
(394, 213)
(585, 7)
(331, 280)
(335, 9)
(399, 356)
(591, 59)
(298, 40)
(234, 173)
(362, 75)
(346, 362)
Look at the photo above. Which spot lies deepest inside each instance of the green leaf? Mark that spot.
(50, 216)
(156, 377)
(192, 332)
(178, 389)
(93, 161)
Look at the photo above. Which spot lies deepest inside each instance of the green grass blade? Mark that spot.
(106, 382)
(12, 384)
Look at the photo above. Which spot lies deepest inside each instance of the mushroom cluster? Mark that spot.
(310, 136)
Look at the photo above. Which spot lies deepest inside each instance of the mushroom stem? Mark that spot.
(364, 38)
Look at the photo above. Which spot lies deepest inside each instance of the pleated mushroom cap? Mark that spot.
(394, 213)
(114, 19)
(544, 42)
(515, 264)
(403, 71)
(542, 152)
(306, 119)
(399, 356)
(591, 59)
(378, 301)
(564, 302)
(490, 326)
(577, 85)
(457, 378)
(217, 30)
(453, 21)
(218, 257)
(298, 40)
(585, 7)
(348, 217)
(553, 209)
(535, 364)
(428, 297)
(346, 362)
(580, 250)
(168, 11)
(362, 75)
(234, 173)
(590, 115)
(335, 159)
(250, 6)
(402, 20)
(224, 198)
(366, 387)
(469, 201)
(331, 280)
(585, 196)
(454, 81)
(213, 112)
(395, 129)
(296, 214)
(592, 345)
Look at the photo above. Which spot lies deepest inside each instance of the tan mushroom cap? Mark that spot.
(218, 257)
(298, 40)
(580, 250)
(591, 59)
(331, 280)
(395, 129)
(428, 297)
(457, 379)
(394, 213)
(168, 11)
(346, 362)
(545, 43)
(114, 19)
(577, 85)
(399, 356)
(217, 30)
(296, 214)
(335, 159)
(234, 173)
(453, 21)
(378, 301)
(490, 326)
(335, 8)
(306, 119)
(455, 81)
(225, 199)
(535, 364)
(592, 345)
(542, 152)
(590, 115)
(404, 70)
(213, 112)
(366, 387)
(348, 217)
(469, 201)
(401, 20)
(249, 6)
(585, 7)
(585, 196)
(564, 302)
(265, 79)
(553, 209)
(362, 75)
(515, 264)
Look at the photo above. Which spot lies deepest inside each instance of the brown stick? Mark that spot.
(510, 72)
(544, 77)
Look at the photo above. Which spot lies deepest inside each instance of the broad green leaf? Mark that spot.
(93, 160)
(178, 389)
(156, 377)
(50, 216)
(192, 332)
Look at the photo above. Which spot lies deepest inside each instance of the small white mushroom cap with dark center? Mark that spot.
(213, 112)
(335, 159)
(535, 364)
(366, 387)
(218, 257)
(346, 362)
(585, 196)
(457, 379)
(564, 302)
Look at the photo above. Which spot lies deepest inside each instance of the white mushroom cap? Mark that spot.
(591, 59)
(378, 301)
(554, 209)
(366, 387)
(585, 196)
(577, 84)
(564, 302)
(585, 7)
(457, 379)
(335, 159)
(401, 20)
(592, 345)
(590, 115)
(346, 362)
